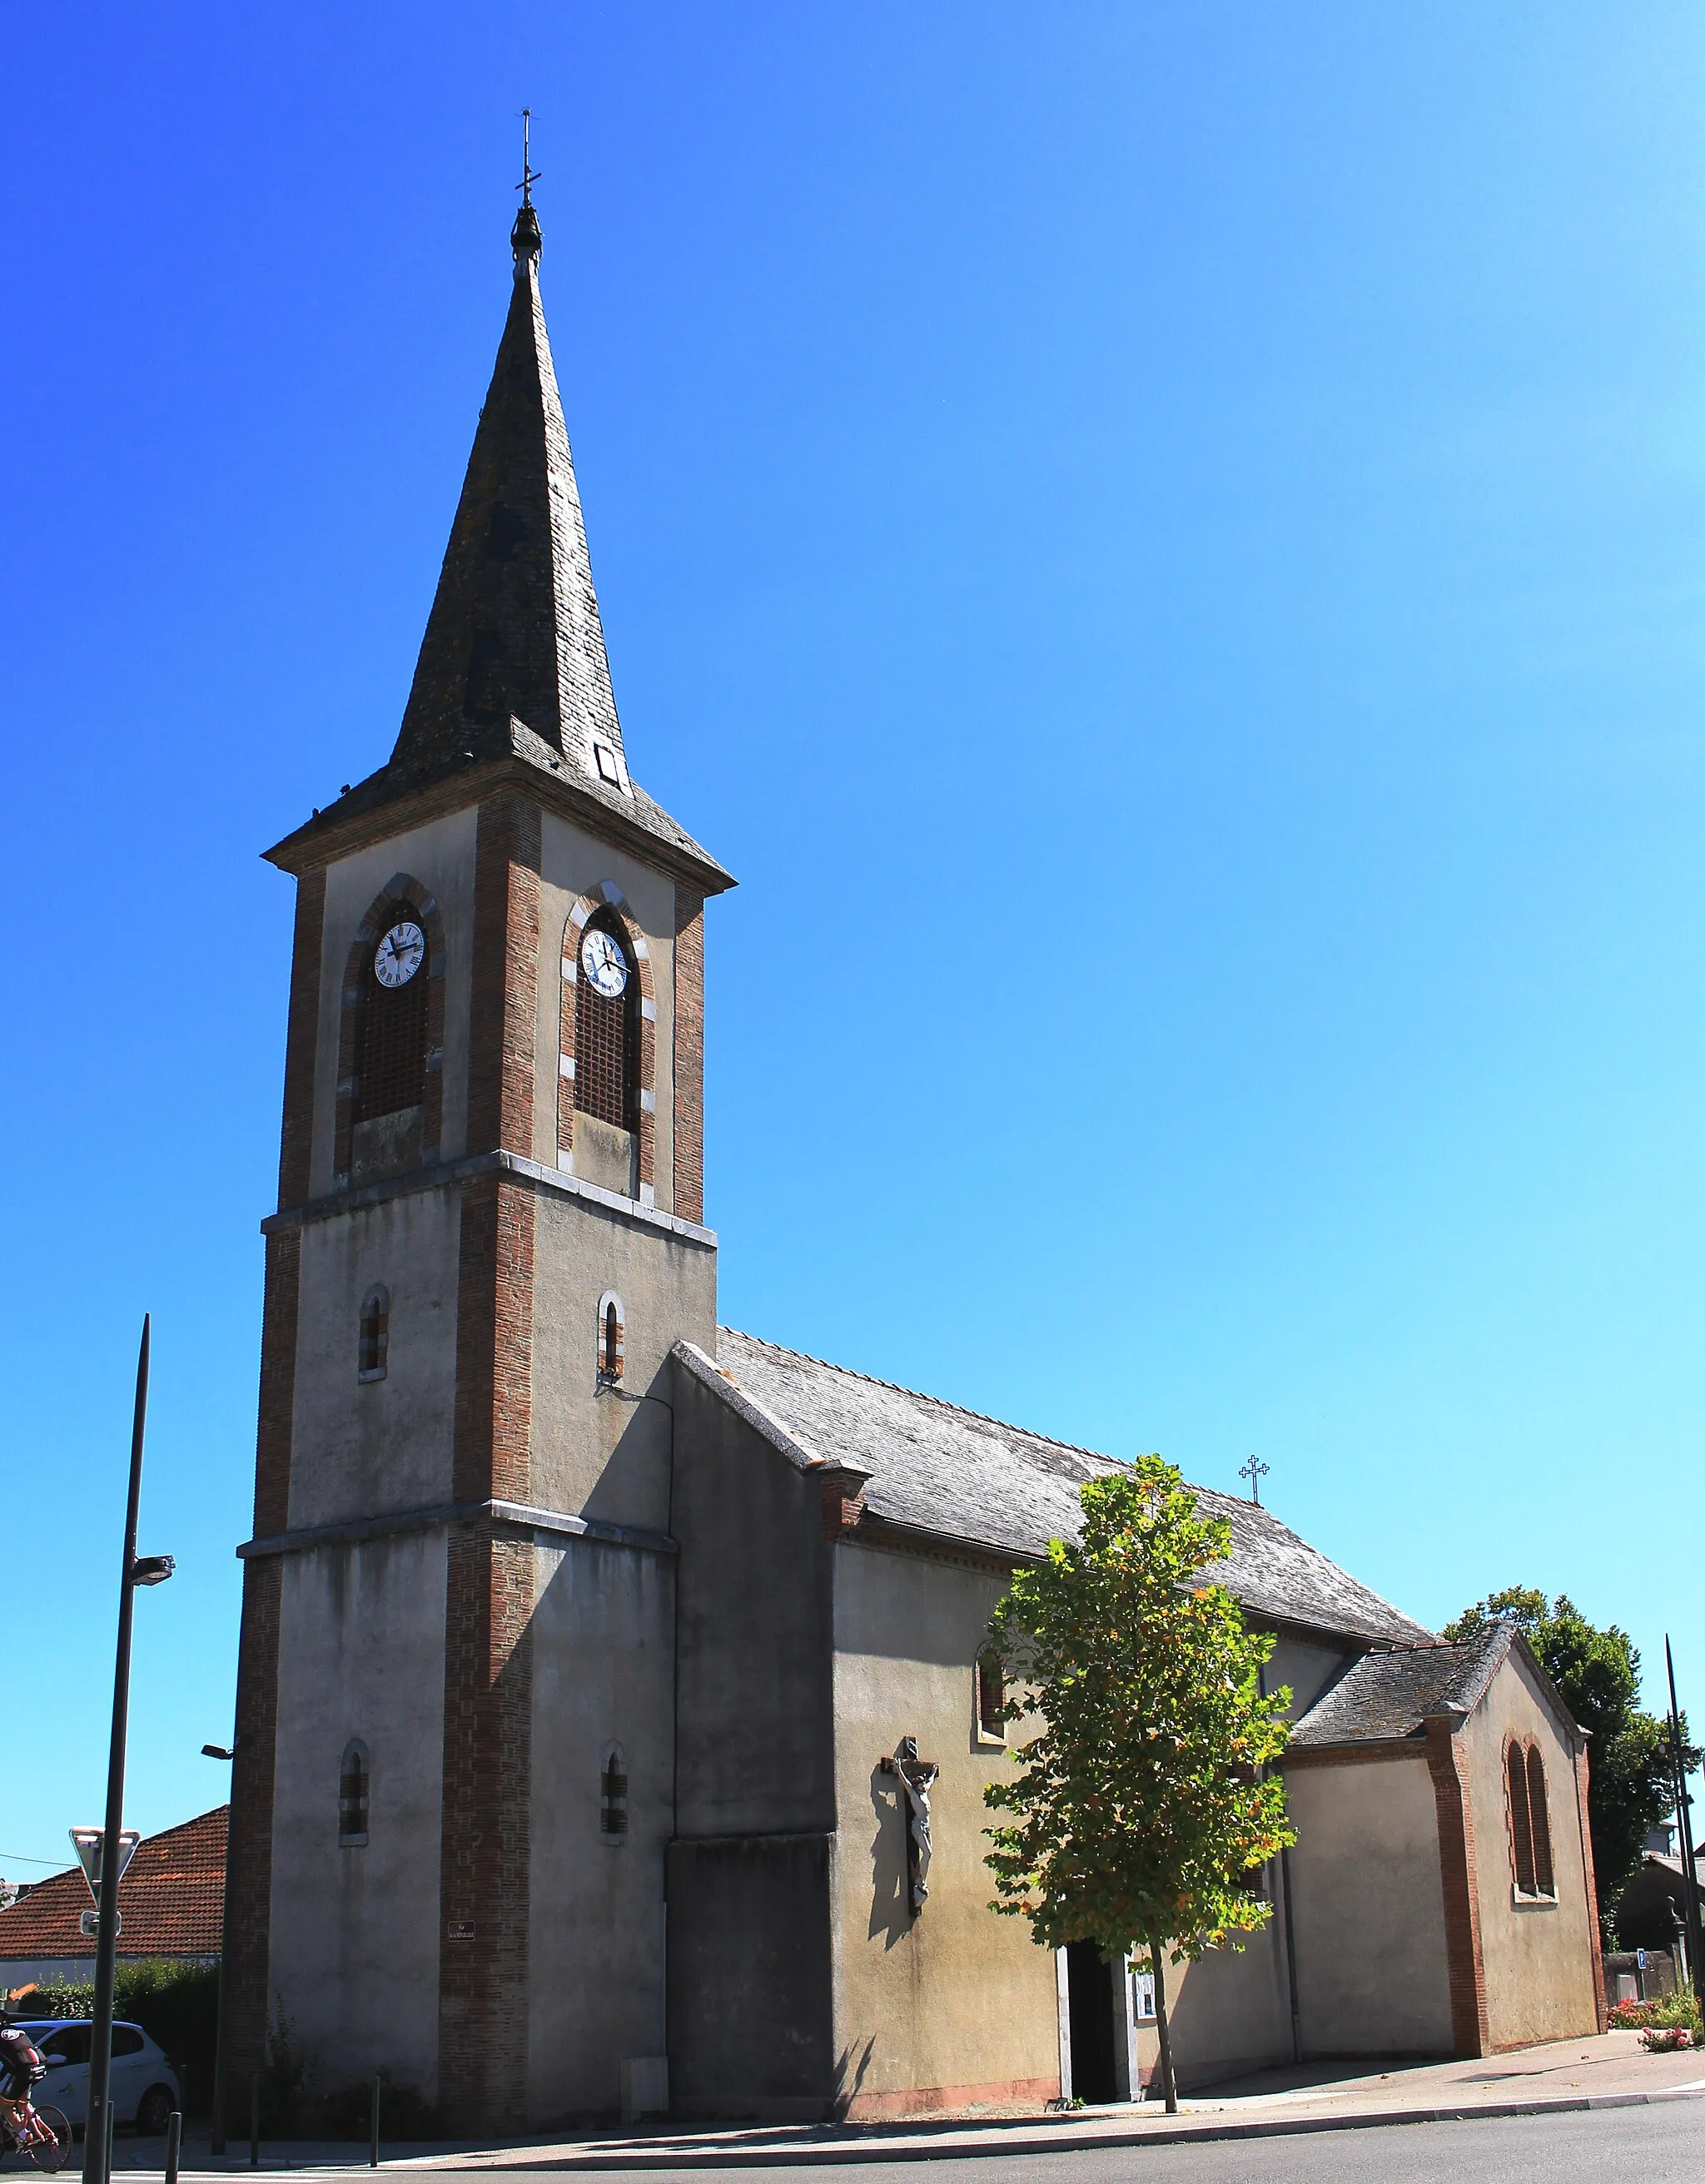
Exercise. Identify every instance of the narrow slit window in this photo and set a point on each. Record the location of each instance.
(1521, 1821)
(991, 1695)
(612, 1794)
(1539, 1821)
(352, 1792)
(373, 1348)
(612, 1338)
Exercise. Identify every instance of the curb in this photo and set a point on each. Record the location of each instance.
(1058, 2139)
(1055, 2141)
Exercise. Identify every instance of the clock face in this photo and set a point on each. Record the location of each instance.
(604, 963)
(400, 954)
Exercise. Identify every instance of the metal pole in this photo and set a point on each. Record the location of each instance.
(173, 2144)
(1690, 1878)
(373, 2130)
(97, 2138)
(221, 2038)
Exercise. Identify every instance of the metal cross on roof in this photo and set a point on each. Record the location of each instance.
(1254, 1471)
(527, 176)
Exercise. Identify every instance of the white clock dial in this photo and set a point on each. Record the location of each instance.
(400, 954)
(604, 963)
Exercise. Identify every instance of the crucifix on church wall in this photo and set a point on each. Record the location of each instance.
(915, 1777)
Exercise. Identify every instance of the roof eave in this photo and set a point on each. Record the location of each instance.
(349, 825)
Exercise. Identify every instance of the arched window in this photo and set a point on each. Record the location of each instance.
(391, 1035)
(991, 1695)
(612, 1794)
(1521, 1819)
(351, 1796)
(373, 1350)
(612, 1337)
(606, 1023)
(1539, 1819)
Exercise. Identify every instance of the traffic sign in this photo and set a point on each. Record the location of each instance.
(88, 1843)
(89, 1924)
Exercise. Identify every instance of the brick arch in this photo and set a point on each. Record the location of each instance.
(400, 889)
(609, 899)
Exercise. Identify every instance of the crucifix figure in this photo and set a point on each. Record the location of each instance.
(1254, 1471)
(916, 1776)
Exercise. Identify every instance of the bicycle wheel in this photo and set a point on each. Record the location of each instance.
(56, 2155)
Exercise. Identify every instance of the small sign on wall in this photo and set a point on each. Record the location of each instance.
(1142, 1996)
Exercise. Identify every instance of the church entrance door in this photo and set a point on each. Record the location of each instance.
(1089, 1996)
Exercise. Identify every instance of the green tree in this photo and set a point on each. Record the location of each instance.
(1631, 1785)
(1141, 1811)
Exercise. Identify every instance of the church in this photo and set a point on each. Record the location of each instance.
(613, 1710)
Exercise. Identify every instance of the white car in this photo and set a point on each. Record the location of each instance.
(145, 2086)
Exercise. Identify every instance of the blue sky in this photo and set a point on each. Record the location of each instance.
(1162, 543)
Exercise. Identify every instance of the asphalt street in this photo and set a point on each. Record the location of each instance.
(1662, 2143)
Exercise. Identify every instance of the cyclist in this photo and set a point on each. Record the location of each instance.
(21, 2066)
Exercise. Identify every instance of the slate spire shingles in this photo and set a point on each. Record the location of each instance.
(512, 670)
(514, 630)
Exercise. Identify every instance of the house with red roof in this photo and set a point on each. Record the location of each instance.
(171, 1903)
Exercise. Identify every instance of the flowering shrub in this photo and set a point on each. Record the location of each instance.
(1665, 2039)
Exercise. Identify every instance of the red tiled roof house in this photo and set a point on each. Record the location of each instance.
(171, 1903)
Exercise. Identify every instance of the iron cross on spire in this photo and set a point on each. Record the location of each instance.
(1254, 1471)
(527, 176)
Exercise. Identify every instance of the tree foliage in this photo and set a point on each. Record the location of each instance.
(1139, 1814)
(1629, 1780)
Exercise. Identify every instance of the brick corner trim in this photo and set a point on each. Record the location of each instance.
(689, 1055)
(1470, 2027)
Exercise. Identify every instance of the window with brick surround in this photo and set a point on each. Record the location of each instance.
(1529, 1820)
(1538, 1819)
(352, 1796)
(606, 1038)
(612, 1794)
(373, 1348)
(391, 1034)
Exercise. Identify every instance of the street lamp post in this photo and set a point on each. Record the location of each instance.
(134, 1570)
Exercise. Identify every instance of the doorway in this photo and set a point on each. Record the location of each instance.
(1089, 2000)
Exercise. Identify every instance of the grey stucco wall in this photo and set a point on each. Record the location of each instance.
(602, 1637)
(372, 1448)
(354, 1950)
(1538, 1957)
(1373, 1973)
(750, 2014)
(596, 1451)
(960, 1998)
(750, 2022)
(755, 1743)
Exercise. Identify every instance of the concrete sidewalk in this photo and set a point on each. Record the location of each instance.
(1611, 2070)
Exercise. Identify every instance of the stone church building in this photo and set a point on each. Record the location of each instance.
(595, 1659)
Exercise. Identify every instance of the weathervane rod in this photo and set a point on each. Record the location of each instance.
(527, 176)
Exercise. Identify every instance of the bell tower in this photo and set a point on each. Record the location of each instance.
(452, 1791)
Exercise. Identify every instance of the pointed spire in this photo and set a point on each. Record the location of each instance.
(515, 632)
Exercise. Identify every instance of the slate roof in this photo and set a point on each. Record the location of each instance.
(171, 1901)
(512, 667)
(956, 1475)
(1384, 1697)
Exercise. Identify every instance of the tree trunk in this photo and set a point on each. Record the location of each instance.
(1167, 2080)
